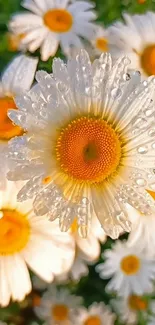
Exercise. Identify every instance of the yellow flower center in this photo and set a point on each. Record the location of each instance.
(92, 320)
(7, 129)
(137, 303)
(58, 20)
(14, 41)
(102, 44)
(148, 60)
(88, 149)
(14, 232)
(130, 265)
(74, 226)
(60, 312)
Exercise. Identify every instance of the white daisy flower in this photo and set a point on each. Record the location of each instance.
(141, 234)
(131, 271)
(87, 250)
(129, 308)
(56, 306)
(135, 38)
(100, 40)
(14, 42)
(89, 136)
(96, 314)
(51, 23)
(27, 240)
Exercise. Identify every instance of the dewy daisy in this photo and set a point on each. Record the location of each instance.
(96, 314)
(89, 136)
(51, 23)
(100, 40)
(135, 38)
(131, 271)
(27, 240)
(141, 234)
(56, 306)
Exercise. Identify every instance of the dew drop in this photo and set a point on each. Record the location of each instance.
(142, 150)
(116, 93)
(141, 182)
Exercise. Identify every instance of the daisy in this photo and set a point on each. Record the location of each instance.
(96, 314)
(100, 40)
(131, 271)
(89, 136)
(51, 23)
(27, 240)
(56, 306)
(87, 250)
(129, 308)
(135, 37)
(14, 42)
(141, 234)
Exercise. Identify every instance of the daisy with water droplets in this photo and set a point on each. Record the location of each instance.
(27, 240)
(89, 135)
(141, 234)
(135, 37)
(51, 23)
(131, 272)
(56, 306)
(130, 307)
(96, 314)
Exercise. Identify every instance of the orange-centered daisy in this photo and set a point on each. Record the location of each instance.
(130, 264)
(58, 20)
(88, 149)
(137, 303)
(14, 232)
(8, 129)
(92, 320)
(60, 312)
(148, 60)
(102, 44)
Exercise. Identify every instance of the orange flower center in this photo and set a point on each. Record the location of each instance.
(102, 44)
(60, 312)
(151, 193)
(14, 232)
(7, 129)
(88, 149)
(92, 320)
(137, 303)
(58, 20)
(130, 265)
(148, 60)
(14, 41)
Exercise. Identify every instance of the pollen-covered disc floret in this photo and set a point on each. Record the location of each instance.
(89, 137)
(131, 272)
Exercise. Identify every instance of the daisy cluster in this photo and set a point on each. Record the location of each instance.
(77, 166)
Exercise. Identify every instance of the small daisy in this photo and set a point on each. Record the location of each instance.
(56, 306)
(135, 38)
(16, 79)
(141, 234)
(89, 136)
(131, 272)
(100, 40)
(27, 240)
(14, 42)
(87, 250)
(96, 314)
(129, 308)
(51, 23)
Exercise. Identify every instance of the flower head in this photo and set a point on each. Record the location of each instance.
(100, 40)
(89, 136)
(27, 240)
(52, 23)
(96, 314)
(129, 308)
(135, 38)
(130, 270)
(56, 306)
